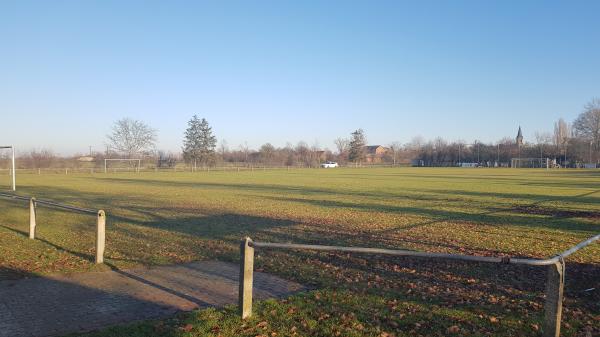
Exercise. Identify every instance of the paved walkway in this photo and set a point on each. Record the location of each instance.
(59, 304)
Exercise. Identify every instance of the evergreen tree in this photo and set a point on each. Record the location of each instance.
(199, 142)
(357, 146)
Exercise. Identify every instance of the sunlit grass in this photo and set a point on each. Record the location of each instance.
(158, 218)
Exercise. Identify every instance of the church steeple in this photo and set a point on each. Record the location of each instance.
(519, 137)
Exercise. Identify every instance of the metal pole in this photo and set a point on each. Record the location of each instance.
(554, 298)
(246, 277)
(32, 223)
(100, 236)
(105, 168)
(14, 171)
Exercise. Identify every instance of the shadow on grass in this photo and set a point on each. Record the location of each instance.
(447, 215)
(535, 198)
(39, 305)
(230, 227)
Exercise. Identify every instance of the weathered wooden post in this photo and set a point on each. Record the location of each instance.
(246, 277)
(100, 236)
(554, 298)
(32, 218)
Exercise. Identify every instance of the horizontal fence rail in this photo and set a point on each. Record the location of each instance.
(402, 252)
(554, 284)
(100, 219)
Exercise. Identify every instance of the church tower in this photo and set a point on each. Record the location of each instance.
(519, 137)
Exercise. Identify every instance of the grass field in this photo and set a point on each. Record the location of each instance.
(159, 218)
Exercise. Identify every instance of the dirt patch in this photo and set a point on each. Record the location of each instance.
(554, 212)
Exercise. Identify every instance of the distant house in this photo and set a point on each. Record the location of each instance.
(375, 153)
(321, 155)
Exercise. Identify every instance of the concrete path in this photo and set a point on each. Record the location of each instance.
(59, 304)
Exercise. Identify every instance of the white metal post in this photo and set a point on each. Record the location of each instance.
(100, 236)
(32, 222)
(14, 172)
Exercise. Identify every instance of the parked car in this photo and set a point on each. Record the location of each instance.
(329, 164)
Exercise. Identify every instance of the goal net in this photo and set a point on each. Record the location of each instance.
(7, 164)
(119, 164)
(530, 163)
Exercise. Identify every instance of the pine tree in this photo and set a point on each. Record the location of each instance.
(199, 142)
(357, 146)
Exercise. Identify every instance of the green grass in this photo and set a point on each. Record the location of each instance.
(158, 218)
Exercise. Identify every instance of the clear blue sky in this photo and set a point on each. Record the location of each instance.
(281, 71)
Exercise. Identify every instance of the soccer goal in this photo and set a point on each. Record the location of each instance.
(530, 163)
(135, 163)
(12, 171)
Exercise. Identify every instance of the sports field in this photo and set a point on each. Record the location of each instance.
(161, 218)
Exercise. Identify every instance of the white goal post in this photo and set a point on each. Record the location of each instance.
(139, 163)
(530, 163)
(12, 171)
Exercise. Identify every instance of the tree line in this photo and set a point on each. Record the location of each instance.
(568, 144)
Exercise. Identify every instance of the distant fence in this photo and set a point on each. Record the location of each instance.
(100, 219)
(251, 168)
(554, 284)
(208, 169)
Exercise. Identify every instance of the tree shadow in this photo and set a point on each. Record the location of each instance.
(39, 306)
(536, 198)
(486, 217)
(58, 304)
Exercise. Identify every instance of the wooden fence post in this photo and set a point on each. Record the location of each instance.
(32, 218)
(246, 277)
(554, 298)
(100, 236)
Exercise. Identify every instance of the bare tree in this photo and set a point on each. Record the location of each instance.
(245, 150)
(131, 137)
(303, 152)
(542, 139)
(562, 132)
(166, 159)
(395, 148)
(342, 145)
(416, 143)
(587, 124)
(223, 149)
(266, 153)
(42, 158)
